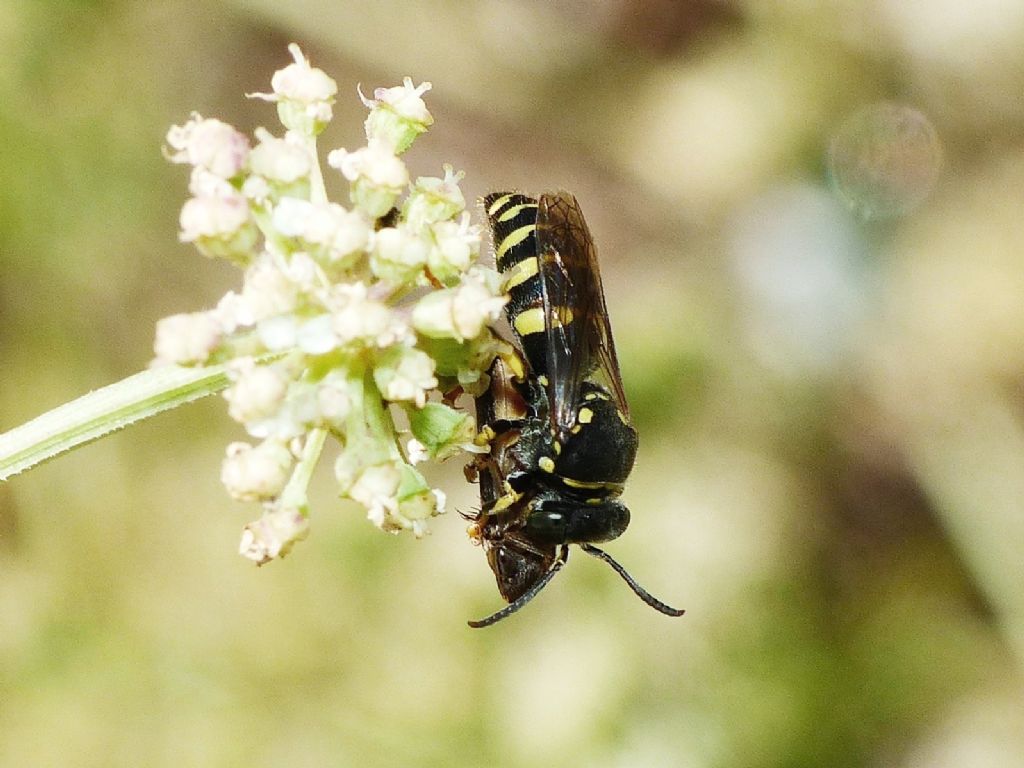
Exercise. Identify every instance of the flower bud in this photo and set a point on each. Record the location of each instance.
(375, 488)
(432, 199)
(330, 234)
(209, 144)
(456, 247)
(398, 256)
(267, 291)
(257, 393)
(281, 163)
(457, 313)
(363, 320)
(405, 373)
(219, 227)
(397, 115)
(304, 95)
(186, 339)
(274, 534)
(377, 177)
(255, 473)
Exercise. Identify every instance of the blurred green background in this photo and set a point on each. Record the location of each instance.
(831, 475)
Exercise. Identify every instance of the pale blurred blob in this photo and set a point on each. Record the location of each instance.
(982, 733)
(884, 160)
(966, 36)
(519, 37)
(798, 259)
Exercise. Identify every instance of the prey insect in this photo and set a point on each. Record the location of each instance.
(556, 418)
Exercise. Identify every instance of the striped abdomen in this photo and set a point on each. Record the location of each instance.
(513, 221)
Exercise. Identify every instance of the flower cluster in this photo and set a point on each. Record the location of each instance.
(346, 316)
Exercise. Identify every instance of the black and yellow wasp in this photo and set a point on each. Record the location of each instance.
(557, 422)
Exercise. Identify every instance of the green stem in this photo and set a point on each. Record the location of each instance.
(317, 189)
(103, 411)
(294, 494)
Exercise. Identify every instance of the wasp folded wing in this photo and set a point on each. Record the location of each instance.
(580, 344)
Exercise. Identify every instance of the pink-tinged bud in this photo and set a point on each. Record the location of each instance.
(397, 115)
(274, 534)
(209, 144)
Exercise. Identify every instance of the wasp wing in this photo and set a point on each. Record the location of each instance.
(580, 344)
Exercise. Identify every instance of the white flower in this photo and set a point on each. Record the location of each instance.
(457, 313)
(334, 403)
(316, 336)
(304, 95)
(278, 333)
(375, 489)
(213, 216)
(279, 160)
(397, 115)
(416, 451)
(254, 473)
(257, 393)
(435, 199)
(292, 419)
(375, 164)
(186, 339)
(274, 534)
(302, 82)
(404, 100)
(360, 319)
(337, 233)
(204, 183)
(398, 255)
(210, 144)
(473, 307)
(405, 373)
(456, 247)
(267, 291)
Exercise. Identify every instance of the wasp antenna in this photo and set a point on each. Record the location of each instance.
(527, 596)
(642, 593)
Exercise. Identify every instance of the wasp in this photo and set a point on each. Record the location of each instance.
(555, 416)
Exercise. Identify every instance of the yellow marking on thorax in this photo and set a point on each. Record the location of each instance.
(585, 416)
(546, 463)
(520, 273)
(514, 238)
(505, 502)
(590, 484)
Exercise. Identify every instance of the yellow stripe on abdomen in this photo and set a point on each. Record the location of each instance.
(514, 211)
(529, 321)
(520, 273)
(532, 320)
(514, 238)
(498, 204)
